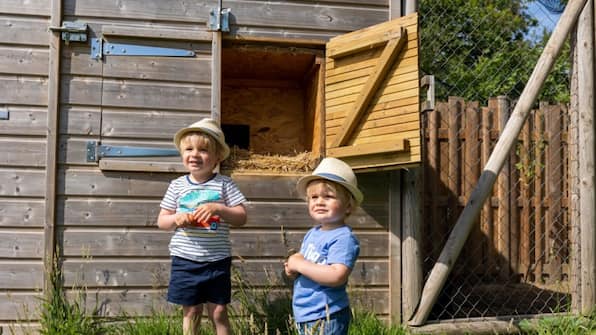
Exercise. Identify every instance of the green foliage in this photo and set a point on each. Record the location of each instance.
(481, 48)
(260, 311)
(61, 316)
(365, 323)
(159, 323)
(562, 325)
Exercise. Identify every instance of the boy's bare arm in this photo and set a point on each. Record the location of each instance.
(236, 216)
(169, 220)
(327, 275)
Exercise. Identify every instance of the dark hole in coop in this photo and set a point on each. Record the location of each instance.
(237, 135)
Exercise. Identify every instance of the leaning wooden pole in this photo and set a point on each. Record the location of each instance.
(463, 226)
(587, 201)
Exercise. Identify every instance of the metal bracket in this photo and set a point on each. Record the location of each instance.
(96, 151)
(99, 48)
(219, 19)
(428, 81)
(72, 31)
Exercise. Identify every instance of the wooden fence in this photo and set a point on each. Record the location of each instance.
(523, 233)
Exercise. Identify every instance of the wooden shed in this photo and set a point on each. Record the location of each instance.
(86, 84)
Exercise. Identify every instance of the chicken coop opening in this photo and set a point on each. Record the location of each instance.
(271, 108)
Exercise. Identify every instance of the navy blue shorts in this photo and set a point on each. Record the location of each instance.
(193, 283)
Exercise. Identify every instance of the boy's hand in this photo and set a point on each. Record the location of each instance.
(289, 273)
(204, 212)
(183, 219)
(293, 261)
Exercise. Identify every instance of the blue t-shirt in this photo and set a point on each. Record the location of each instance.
(336, 246)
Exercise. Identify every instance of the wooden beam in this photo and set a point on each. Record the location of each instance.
(397, 145)
(52, 142)
(363, 43)
(384, 63)
(585, 57)
(156, 33)
(438, 275)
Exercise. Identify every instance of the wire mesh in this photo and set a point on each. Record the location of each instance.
(516, 260)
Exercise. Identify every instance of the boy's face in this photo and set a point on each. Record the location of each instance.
(327, 205)
(199, 156)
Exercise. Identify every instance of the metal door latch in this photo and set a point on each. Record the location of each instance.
(99, 48)
(96, 151)
(72, 31)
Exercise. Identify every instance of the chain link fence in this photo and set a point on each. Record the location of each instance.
(516, 261)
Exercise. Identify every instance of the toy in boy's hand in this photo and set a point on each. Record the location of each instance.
(211, 223)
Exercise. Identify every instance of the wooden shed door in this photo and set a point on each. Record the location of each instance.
(372, 105)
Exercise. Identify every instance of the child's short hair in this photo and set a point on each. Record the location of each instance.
(204, 140)
(341, 192)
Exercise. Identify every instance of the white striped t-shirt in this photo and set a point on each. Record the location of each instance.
(198, 243)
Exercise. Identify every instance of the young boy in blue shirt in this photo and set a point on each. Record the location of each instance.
(200, 207)
(328, 252)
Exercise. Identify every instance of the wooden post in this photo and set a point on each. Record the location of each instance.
(216, 76)
(395, 247)
(412, 279)
(411, 6)
(585, 56)
(460, 232)
(405, 228)
(52, 142)
(574, 214)
(216, 68)
(395, 9)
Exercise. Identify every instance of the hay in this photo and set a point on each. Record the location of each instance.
(241, 160)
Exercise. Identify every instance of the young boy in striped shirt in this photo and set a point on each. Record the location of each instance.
(200, 207)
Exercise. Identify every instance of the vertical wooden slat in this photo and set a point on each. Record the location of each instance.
(514, 224)
(503, 191)
(554, 229)
(453, 156)
(52, 141)
(487, 211)
(435, 178)
(525, 182)
(538, 193)
(472, 173)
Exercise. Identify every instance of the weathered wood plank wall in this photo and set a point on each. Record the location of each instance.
(24, 65)
(105, 220)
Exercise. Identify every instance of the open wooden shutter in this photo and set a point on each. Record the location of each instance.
(372, 115)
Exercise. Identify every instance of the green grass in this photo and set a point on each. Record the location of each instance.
(561, 325)
(259, 311)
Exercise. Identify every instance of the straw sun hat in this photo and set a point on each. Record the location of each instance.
(336, 171)
(209, 127)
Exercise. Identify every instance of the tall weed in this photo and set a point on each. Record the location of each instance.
(60, 315)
